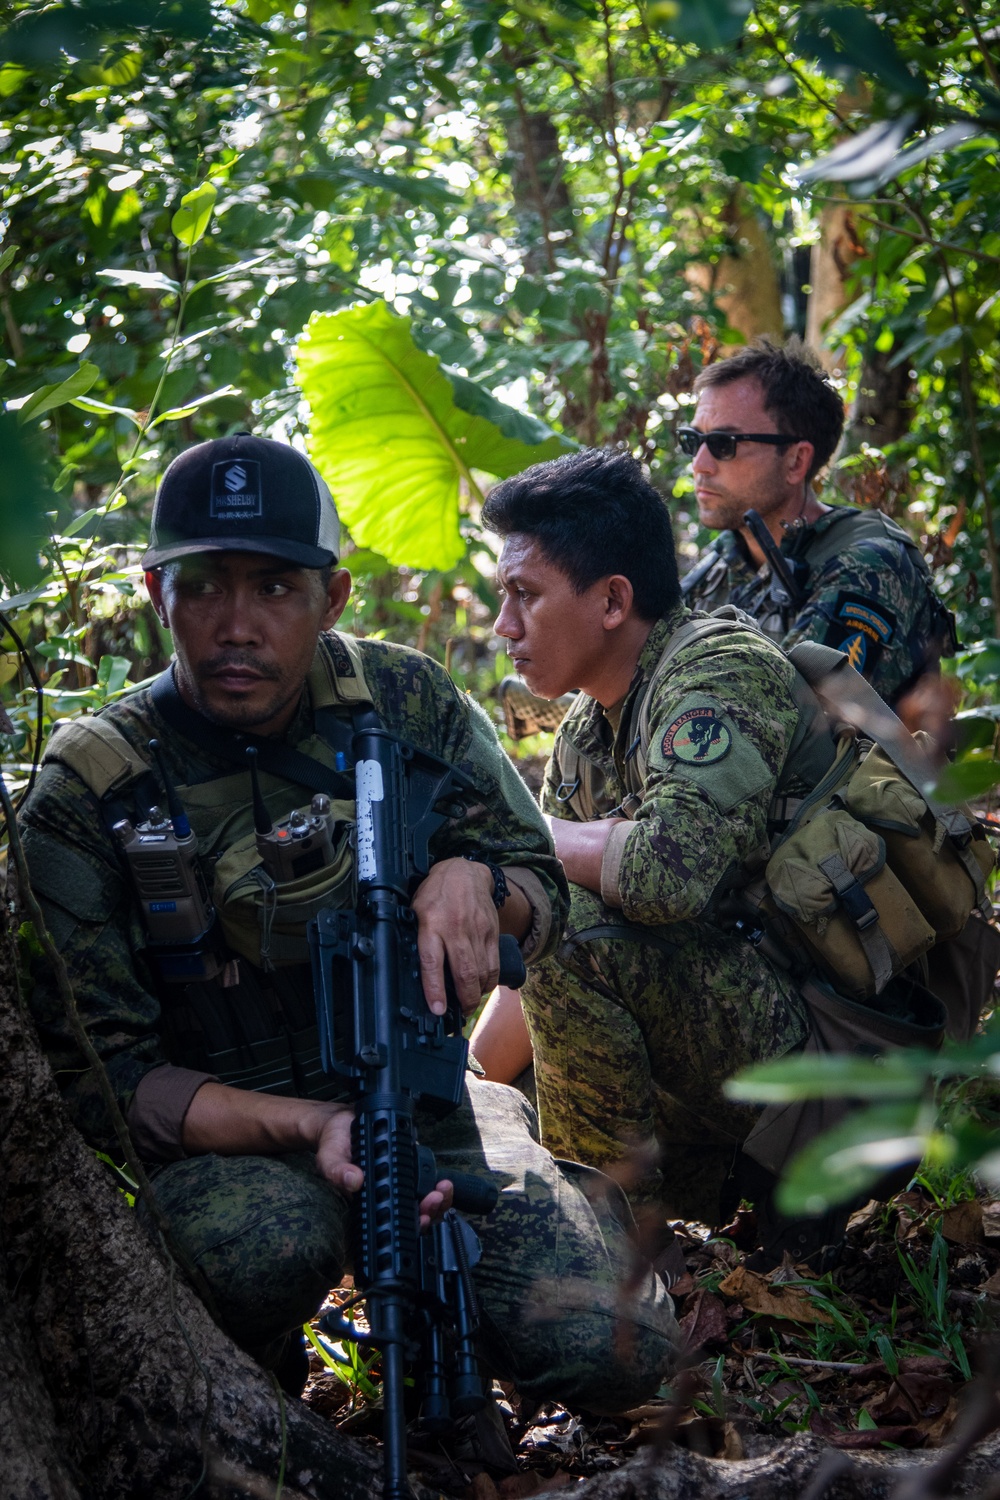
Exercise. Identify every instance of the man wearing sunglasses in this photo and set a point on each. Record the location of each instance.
(766, 423)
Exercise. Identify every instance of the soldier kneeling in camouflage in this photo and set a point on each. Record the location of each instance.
(648, 1005)
(691, 749)
(211, 1050)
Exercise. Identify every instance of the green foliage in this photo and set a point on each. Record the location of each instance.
(394, 439)
(940, 1108)
(348, 1363)
(552, 196)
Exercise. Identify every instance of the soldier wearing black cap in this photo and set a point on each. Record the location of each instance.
(216, 1077)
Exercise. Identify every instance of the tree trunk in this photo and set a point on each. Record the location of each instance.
(882, 410)
(538, 185)
(829, 262)
(116, 1383)
(745, 283)
(799, 1468)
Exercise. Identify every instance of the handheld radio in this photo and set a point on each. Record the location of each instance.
(177, 911)
(298, 844)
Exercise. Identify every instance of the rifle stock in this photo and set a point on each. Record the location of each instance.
(377, 1032)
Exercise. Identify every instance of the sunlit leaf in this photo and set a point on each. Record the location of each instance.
(862, 157)
(47, 397)
(101, 408)
(6, 256)
(850, 1158)
(239, 269)
(808, 1075)
(112, 673)
(192, 219)
(176, 412)
(81, 521)
(147, 281)
(390, 438)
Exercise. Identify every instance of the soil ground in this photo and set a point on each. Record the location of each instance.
(877, 1355)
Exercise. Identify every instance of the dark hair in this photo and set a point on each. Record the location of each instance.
(594, 513)
(798, 393)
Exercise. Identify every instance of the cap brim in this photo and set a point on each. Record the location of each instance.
(267, 546)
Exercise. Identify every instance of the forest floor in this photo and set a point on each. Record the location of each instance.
(875, 1355)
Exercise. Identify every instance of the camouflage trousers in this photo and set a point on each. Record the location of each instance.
(567, 1310)
(634, 1031)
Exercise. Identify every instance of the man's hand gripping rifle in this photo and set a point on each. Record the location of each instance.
(376, 1030)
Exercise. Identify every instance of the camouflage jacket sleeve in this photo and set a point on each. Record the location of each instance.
(721, 723)
(873, 603)
(87, 909)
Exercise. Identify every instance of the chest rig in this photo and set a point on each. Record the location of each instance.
(237, 1001)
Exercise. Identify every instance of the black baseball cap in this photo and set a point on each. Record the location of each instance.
(244, 494)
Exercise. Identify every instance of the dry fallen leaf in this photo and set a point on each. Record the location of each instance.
(962, 1224)
(991, 1222)
(783, 1301)
(704, 1322)
(874, 1437)
(482, 1488)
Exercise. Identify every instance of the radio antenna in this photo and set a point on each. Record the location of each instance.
(261, 817)
(178, 816)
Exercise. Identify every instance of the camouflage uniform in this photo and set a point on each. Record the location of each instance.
(872, 598)
(648, 1005)
(268, 1235)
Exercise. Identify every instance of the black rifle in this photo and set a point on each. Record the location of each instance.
(787, 583)
(376, 1030)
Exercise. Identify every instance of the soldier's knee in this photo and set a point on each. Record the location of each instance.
(267, 1241)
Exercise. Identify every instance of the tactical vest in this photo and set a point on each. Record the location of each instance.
(862, 875)
(254, 1026)
(851, 527)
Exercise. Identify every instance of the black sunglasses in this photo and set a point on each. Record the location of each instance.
(723, 444)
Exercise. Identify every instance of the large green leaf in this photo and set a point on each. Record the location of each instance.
(706, 24)
(392, 441)
(833, 1075)
(47, 397)
(852, 1156)
(27, 495)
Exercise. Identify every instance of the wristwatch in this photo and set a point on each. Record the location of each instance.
(501, 890)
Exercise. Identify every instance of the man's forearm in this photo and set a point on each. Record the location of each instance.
(241, 1122)
(580, 846)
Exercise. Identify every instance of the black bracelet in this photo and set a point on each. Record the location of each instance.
(501, 889)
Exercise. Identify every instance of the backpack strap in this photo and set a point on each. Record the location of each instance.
(272, 755)
(697, 628)
(847, 695)
(101, 756)
(865, 526)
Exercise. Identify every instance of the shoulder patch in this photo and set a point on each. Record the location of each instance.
(701, 743)
(699, 736)
(860, 629)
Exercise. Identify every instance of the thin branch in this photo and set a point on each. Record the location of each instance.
(798, 75)
(812, 1364)
(926, 239)
(988, 62)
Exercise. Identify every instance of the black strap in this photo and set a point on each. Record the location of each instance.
(272, 755)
